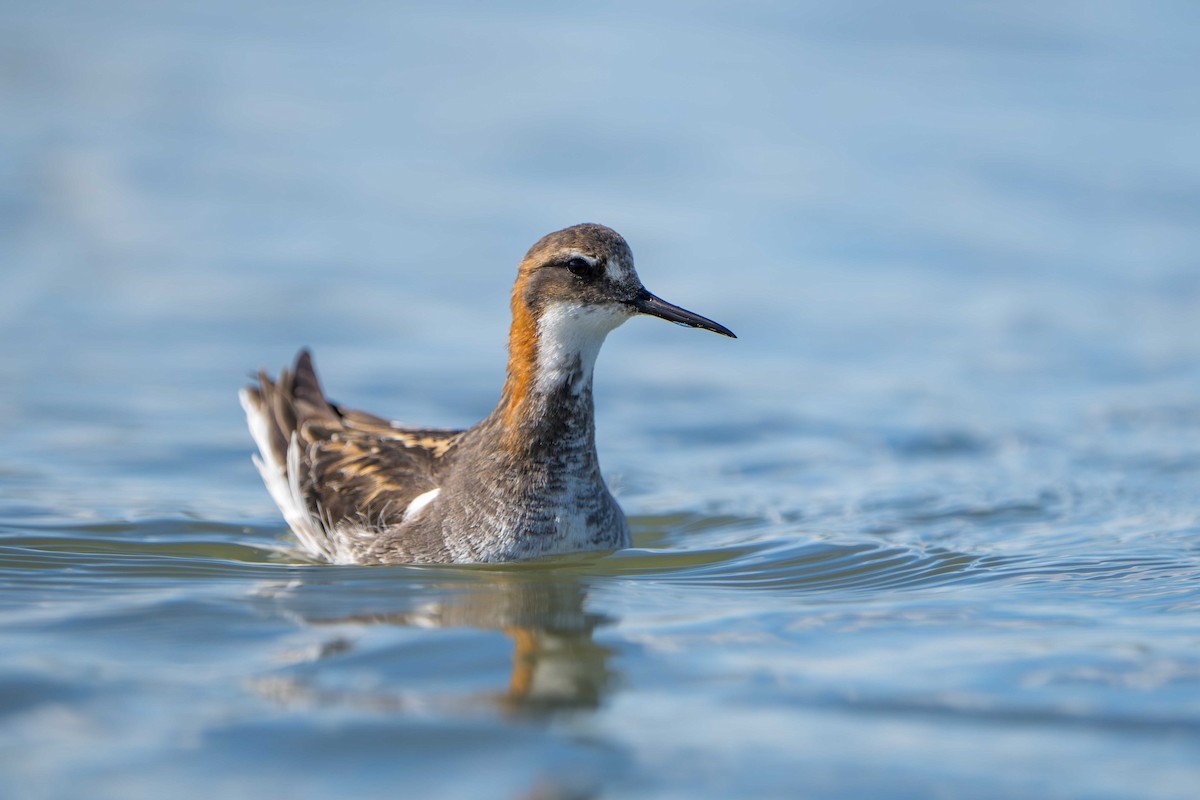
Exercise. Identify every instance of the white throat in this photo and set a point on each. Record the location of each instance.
(569, 339)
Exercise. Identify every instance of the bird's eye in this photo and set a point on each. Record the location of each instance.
(580, 267)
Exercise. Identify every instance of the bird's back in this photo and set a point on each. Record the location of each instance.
(342, 477)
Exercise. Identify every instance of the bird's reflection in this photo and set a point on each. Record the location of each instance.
(556, 664)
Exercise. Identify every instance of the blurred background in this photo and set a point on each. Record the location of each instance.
(928, 193)
(958, 242)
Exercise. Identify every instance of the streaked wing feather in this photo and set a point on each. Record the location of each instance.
(360, 469)
(347, 468)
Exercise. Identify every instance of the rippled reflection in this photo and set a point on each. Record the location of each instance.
(555, 663)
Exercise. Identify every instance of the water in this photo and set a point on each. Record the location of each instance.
(928, 528)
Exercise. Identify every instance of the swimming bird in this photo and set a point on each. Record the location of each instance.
(522, 483)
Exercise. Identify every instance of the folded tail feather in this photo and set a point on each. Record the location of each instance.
(276, 412)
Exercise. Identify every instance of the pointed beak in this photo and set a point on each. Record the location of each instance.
(646, 303)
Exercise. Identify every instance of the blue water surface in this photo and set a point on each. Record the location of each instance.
(929, 528)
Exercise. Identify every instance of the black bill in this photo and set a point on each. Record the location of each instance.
(647, 303)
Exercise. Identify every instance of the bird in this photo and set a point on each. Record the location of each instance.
(522, 483)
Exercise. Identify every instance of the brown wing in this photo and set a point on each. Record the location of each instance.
(352, 466)
(360, 469)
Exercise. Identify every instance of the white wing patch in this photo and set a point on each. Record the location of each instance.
(419, 502)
